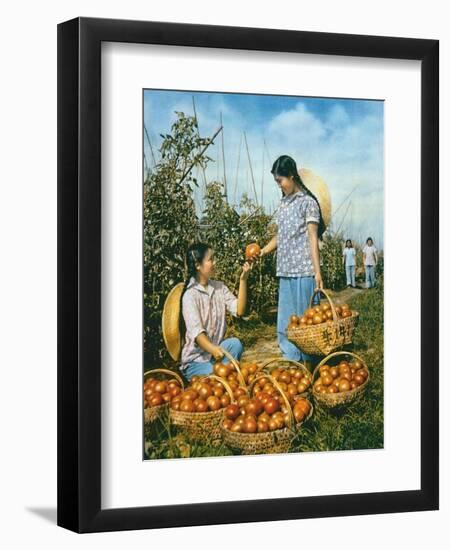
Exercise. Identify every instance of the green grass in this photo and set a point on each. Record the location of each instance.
(359, 426)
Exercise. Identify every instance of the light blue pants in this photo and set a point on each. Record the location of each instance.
(370, 276)
(350, 272)
(202, 368)
(293, 298)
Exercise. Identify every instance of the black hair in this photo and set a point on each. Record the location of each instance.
(286, 167)
(195, 255)
(348, 241)
(369, 239)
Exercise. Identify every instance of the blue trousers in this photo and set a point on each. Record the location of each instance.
(202, 368)
(350, 272)
(293, 298)
(370, 276)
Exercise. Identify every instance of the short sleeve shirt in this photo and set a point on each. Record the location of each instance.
(204, 310)
(293, 249)
(349, 254)
(370, 252)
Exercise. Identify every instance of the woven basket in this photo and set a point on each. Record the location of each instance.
(331, 400)
(278, 441)
(151, 414)
(270, 365)
(326, 337)
(201, 426)
(236, 365)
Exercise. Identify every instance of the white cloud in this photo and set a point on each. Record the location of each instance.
(299, 124)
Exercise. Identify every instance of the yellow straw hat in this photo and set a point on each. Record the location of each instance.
(171, 322)
(319, 189)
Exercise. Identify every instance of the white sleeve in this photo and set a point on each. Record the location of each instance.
(230, 300)
(191, 315)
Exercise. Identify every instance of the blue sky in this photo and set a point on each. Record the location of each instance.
(340, 139)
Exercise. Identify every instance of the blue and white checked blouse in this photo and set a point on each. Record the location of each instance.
(293, 250)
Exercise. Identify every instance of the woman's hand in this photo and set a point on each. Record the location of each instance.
(217, 353)
(270, 247)
(246, 268)
(319, 282)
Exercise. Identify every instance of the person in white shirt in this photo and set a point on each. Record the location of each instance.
(349, 257)
(370, 260)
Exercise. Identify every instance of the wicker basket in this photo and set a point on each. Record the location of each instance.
(278, 441)
(326, 337)
(201, 426)
(236, 365)
(151, 414)
(332, 400)
(270, 365)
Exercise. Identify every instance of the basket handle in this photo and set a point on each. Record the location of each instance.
(166, 371)
(281, 392)
(225, 385)
(264, 364)
(235, 364)
(336, 354)
(327, 296)
(299, 365)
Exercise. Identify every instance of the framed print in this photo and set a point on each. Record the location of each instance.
(247, 274)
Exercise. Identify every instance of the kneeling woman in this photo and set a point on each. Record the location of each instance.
(204, 306)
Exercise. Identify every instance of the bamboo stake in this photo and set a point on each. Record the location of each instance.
(250, 215)
(223, 160)
(345, 199)
(201, 153)
(198, 134)
(262, 174)
(237, 169)
(145, 167)
(150, 145)
(251, 168)
(343, 219)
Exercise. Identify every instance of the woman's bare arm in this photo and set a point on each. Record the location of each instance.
(270, 247)
(242, 295)
(314, 247)
(205, 343)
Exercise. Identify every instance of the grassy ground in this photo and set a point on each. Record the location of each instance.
(359, 426)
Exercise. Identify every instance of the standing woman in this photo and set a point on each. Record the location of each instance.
(370, 259)
(349, 257)
(300, 225)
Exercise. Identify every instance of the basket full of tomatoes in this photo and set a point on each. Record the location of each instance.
(322, 328)
(159, 393)
(292, 376)
(266, 420)
(337, 383)
(232, 372)
(199, 409)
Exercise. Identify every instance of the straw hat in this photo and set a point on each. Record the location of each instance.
(320, 190)
(171, 322)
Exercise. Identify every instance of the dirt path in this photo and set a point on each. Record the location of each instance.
(267, 346)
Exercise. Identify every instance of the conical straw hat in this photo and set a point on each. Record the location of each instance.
(319, 189)
(171, 322)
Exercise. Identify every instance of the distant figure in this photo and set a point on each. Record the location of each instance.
(349, 256)
(370, 260)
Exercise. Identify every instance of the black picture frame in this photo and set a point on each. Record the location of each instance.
(79, 274)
